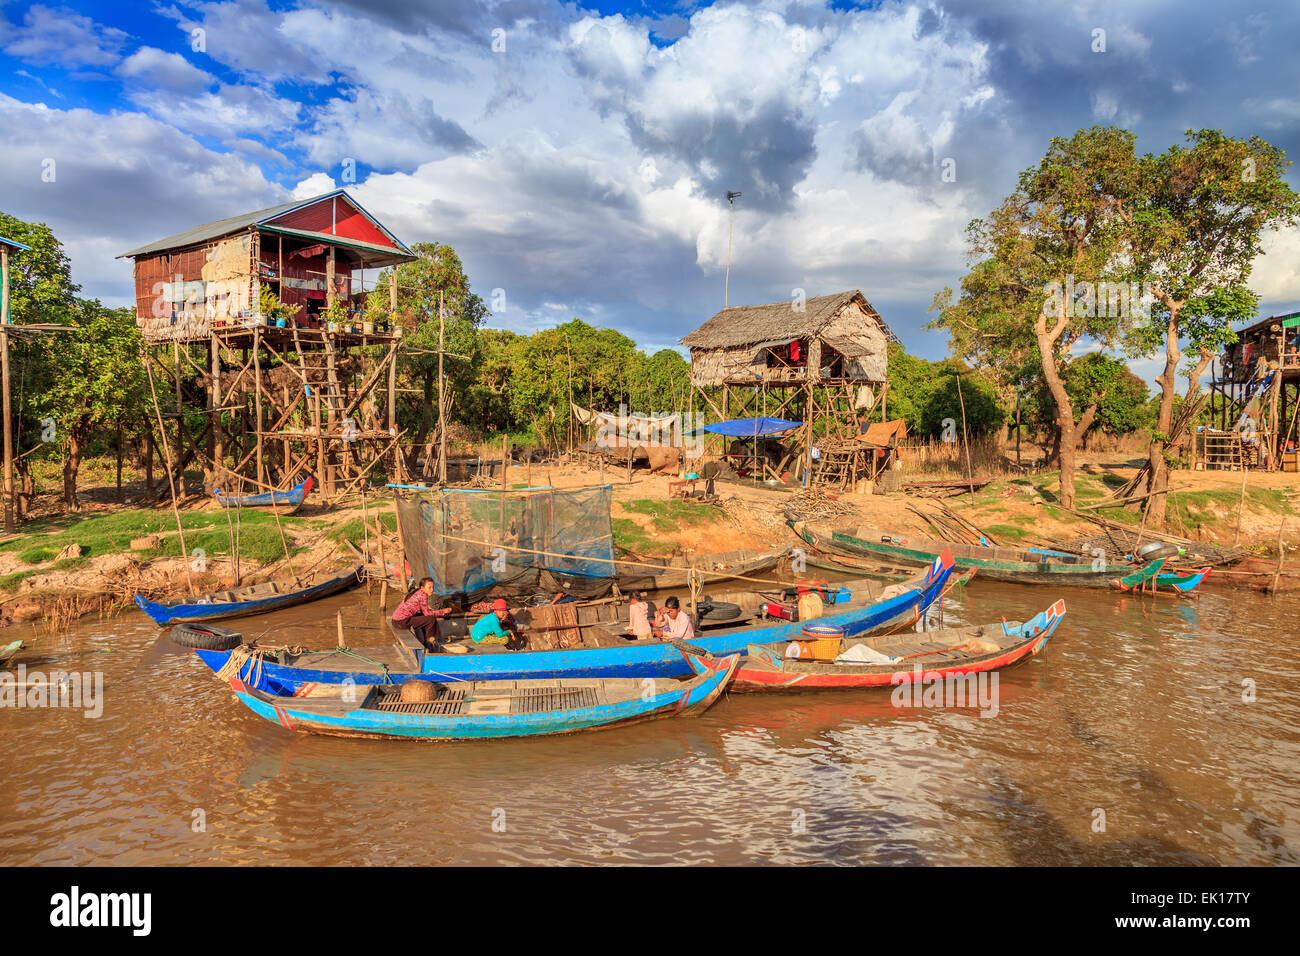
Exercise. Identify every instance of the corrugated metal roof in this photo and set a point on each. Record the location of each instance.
(334, 240)
(224, 227)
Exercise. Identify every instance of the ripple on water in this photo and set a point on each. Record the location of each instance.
(1135, 709)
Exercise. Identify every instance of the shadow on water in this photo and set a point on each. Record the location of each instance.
(1033, 837)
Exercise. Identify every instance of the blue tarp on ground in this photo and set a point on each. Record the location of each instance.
(749, 427)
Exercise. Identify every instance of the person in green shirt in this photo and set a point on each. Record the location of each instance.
(491, 628)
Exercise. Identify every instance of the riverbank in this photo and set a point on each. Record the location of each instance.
(63, 566)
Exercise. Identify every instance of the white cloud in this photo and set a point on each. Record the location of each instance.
(63, 37)
(314, 185)
(120, 180)
(170, 71)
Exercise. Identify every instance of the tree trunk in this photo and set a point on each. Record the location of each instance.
(1064, 413)
(1158, 474)
(71, 464)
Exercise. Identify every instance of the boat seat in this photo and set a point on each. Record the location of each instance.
(409, 647)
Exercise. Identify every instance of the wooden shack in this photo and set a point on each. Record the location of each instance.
(1255, 396)
(821, 361)
(280, 395)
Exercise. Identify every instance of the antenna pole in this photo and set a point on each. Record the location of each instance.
(731, 219)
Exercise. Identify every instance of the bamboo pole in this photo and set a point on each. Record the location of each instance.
(171, 481)
(401, 542)
(1281, 556)
(965, 442)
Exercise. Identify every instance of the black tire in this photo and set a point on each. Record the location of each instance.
(718, 611)
(206, 637)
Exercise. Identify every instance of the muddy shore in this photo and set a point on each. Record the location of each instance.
(70, 578)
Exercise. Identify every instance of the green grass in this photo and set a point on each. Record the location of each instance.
(354, 532)
(9, 581)
(671, 515)
(111, 533)
(630, 536)
(1006, 532)
(37, 555)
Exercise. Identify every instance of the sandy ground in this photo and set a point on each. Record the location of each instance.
(747, 517)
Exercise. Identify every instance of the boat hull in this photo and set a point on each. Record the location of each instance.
(764, 670)
(283, 502)
(636, 659)
(691, 698)
(167, 614)
(1017, 572)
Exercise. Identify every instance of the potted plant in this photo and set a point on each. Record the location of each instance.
(335, 316)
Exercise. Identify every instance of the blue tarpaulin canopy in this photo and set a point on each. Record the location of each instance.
(749, 427)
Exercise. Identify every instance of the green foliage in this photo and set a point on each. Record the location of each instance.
(40, 280)
(1121, 397)
(924, 394)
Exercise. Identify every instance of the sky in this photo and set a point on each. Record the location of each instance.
(578, 156)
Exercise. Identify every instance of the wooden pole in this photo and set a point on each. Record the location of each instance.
(1241, 503)
(257, 401)
(442, 399)
(167, 458)
(4, 373)
(214, 404)
(401, 542)
(964, 441)
(1281, 555)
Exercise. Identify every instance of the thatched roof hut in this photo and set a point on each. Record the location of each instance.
(829, 338)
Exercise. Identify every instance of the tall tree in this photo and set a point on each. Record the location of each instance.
(1194, 236)
(1038, 260)
(40, 279)
(437, 275)
(95, 379)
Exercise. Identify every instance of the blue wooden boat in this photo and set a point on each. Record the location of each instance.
(480, 710)
(604, 653)
(285, 502)
(254, 599)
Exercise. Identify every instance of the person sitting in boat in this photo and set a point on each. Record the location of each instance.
(671, 623)
(415, 615)
(638, 615)
(499, 627)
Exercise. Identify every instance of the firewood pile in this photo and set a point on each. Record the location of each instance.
(811, 504)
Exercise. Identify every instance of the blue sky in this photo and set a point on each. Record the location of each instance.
(577, 155)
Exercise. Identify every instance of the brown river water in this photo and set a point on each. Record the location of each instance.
(1127, 741)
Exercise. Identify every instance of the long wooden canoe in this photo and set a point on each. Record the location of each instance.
(600, 652)
(722, 566)
(903, 658)
(478, 710)
(1256, 573)
(998, 564)
(254, 599)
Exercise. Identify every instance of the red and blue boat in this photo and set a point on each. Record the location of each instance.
(894, 659)
(492, 709)
(603, 653)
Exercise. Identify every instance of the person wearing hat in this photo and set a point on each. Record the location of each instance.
(671, 623)
(497, 627)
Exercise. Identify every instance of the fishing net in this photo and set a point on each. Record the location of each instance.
(472, 541)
